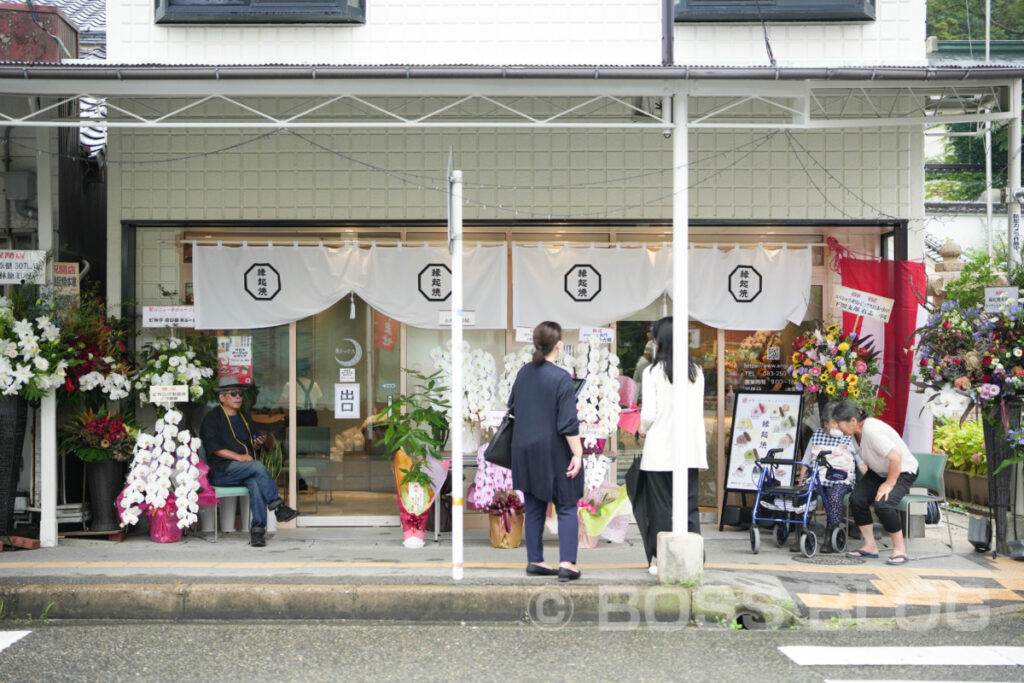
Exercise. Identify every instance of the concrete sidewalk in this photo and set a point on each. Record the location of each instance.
(350, 573)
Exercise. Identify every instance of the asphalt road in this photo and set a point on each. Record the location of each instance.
(355, 651)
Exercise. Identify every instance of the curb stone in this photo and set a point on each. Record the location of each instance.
(546, 606)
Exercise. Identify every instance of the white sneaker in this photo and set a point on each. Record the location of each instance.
(653, 569)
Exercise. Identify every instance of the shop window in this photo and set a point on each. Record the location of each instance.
(774, 10)
(260, 11)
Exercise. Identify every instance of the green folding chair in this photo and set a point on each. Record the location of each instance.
(930, 476)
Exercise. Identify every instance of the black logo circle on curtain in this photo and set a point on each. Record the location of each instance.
(744, 284)
(262, 281)
(435, 282)
(582, 282)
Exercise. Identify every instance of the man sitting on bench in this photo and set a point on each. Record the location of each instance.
(231, 444)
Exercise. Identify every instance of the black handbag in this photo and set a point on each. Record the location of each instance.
(499, 450)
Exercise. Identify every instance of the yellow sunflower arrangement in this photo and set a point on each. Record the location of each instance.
(838, 365)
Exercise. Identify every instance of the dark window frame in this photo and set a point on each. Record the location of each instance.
(260, 11)
(691, 11)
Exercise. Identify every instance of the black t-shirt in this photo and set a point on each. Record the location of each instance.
(219, 432)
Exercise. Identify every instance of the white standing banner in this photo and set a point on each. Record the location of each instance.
(255, 287)
(748, 289)
(581, 286)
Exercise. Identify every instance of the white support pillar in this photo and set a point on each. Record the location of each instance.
(680, 296)
(680, 554)
(455, 247)
(48, 408)
(1013, 174)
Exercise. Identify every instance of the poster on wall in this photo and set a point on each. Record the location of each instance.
(234, 357)
(346, 401)
(762, 421)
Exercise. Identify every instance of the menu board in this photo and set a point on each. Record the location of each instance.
(762, 421)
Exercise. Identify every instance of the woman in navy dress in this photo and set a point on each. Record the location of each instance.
(547, 455)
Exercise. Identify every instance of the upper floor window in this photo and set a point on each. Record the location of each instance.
(774, 10)
(260, 11)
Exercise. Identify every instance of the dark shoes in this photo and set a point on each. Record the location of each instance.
(536, 570)
(283, 513)
(565, 575)
(257, 537)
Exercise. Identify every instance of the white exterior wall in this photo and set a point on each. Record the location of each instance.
(400, 32)
(897, 36)
(281, 178)
(490, 32)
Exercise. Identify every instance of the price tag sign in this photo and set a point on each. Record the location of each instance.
(995, 297)
(171, 393)
(862, 303)
(597, 335)
(18, 267)
(468, 318)
(168, 316)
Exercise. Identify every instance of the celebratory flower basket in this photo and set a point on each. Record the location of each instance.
(98, 435)
(190, 360)
(604, 513)
(164, 480)
(833, 364)
(506, 512)
(96, 345)
(33, 361)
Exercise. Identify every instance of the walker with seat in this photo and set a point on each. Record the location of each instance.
(785, 506)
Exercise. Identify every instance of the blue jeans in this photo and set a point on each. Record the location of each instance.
(254, 476)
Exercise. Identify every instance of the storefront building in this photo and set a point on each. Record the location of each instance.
(212, 142)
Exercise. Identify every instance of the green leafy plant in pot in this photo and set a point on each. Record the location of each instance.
(416, 430)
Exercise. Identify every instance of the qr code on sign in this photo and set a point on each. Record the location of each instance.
(773, 353)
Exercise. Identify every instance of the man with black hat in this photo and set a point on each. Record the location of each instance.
(230, 445)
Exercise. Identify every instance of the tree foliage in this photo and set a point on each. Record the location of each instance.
(950, 19)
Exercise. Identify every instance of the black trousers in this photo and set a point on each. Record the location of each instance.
(863, 497)
(655, 495)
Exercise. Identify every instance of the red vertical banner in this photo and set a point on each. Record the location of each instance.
(904, 282)
(385, 332)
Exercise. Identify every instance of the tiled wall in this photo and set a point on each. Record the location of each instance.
(490, 32)
(578, 174)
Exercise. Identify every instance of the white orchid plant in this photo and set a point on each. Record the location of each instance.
(32, 359)
(598, 403)
(164, 472)
(479, 376)
(175, 361)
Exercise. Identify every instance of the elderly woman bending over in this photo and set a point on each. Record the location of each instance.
(892, 470)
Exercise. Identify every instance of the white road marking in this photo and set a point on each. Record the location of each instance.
(811, 655)
(8, 638)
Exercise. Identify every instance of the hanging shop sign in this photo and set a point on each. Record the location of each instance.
(864, 304)
(19, 267)
(346, 401)
(168, 316)
(746, 289)
(171, 393)
(234, 357)
(385, 332)
(762, 421)
(582, 286)
(257, 287)
(995, 297)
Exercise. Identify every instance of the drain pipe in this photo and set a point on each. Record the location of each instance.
(668, 23)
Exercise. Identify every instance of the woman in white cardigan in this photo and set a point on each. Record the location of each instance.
(664, 443)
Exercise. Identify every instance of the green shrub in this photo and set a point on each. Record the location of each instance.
(964, 444)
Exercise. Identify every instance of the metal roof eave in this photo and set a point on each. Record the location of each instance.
(283, 80)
